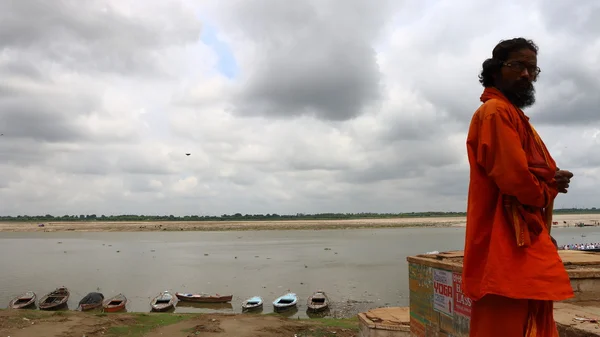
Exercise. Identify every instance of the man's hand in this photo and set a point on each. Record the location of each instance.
(563, 178)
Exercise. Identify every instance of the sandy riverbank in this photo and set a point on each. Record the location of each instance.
(27, 323)
(101, 226)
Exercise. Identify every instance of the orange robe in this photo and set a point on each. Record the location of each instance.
(508, 250)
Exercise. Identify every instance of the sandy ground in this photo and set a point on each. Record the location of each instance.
(27, 323)
(100, 226)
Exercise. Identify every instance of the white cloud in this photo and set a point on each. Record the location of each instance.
(344, 106)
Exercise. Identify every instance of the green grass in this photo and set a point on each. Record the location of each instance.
(318, 332)
(343, 323)
(188, 330)
(146, 323)
(31, 314)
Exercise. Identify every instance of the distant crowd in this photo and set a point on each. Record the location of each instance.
(581, 246)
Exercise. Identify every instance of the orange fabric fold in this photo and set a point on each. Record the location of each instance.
(518, 317)
(540, 320)
(508, 249)
(541, 166)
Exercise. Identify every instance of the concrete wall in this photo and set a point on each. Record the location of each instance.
(586, 289)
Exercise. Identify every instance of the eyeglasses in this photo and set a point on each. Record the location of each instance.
(518, 67)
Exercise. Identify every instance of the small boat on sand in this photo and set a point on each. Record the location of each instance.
(55, 299)
(203, 298)
(163, 302)
(115, 303)
(253, 303)
(22, 301)
(285, 302)
(91, 301)
(318, 301)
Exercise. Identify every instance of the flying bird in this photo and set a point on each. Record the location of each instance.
(187, 154)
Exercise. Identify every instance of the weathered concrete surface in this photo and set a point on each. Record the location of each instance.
(384, 322)
(565, 315)
(585, 289)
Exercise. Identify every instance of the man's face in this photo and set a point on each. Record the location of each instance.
(517, 76)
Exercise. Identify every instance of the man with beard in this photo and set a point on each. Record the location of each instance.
(512, 270)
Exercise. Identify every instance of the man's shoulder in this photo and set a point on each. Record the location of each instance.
(494, 105)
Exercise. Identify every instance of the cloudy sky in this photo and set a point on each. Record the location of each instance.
(285, 106)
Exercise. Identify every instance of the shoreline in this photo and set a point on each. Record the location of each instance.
(25, 322)
(219, 226)
(562, 220)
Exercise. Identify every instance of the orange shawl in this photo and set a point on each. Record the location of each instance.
(544, 168)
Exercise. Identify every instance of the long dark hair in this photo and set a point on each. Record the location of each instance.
(500, 54)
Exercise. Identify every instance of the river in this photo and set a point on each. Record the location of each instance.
(364, 266)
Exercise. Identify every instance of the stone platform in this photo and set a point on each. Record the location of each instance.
(385, 322)
(574, 320)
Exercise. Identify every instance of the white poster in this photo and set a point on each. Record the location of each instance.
(443, 292)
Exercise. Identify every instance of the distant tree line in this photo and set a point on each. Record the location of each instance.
(258, 217)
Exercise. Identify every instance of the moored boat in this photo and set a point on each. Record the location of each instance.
(203, 298)
(285, 301)
(115, 303)
(253, 303)
(22, 301)
(163, 302)
(318, 301)
(91, 301)
(55, 299)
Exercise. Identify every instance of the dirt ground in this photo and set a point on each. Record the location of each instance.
(248, 326)
(27, 323)
(102, 226)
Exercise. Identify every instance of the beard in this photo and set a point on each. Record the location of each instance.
(521, 94)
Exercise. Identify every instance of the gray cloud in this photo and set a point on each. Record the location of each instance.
(93, 35)
(312, 59)
(337, 106)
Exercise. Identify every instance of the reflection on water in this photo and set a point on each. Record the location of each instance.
(291, 312)
(360, 268)
(223, 307)
(320, 314)
(255, 311)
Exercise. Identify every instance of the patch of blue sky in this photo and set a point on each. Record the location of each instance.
(226, 63)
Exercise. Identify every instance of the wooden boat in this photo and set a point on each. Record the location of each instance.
(253, 303)
(55, 299)
(203, 298)
(23, 301)
(91, 301)
(286, 301)
(318, 301)
(115, 303)
(163, 302)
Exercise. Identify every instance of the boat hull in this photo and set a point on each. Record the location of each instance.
(203, 299)
(92, 306)
(115, 303)
(23, 301)
(318, 302)
(285, 302)
(91, 301)
(251, 307)
(163, 302)
(161, 308)
(254, 303)
(57, 299)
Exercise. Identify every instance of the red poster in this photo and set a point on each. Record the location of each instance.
(462, 304)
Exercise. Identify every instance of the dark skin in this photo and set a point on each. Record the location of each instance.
(518, 71)
(517, 75)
